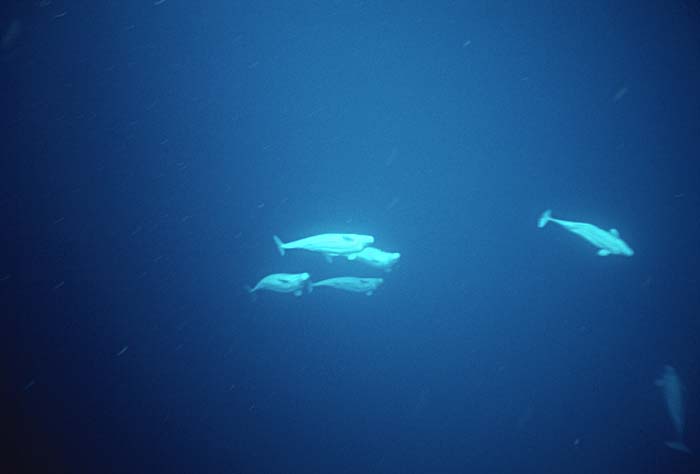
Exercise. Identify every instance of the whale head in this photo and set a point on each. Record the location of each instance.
(619, 246)
(365, 239)
(624, 249)
(377, 258)
(387, 260)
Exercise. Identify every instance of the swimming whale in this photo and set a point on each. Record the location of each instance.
(331, 245)
(673, 389)
(354, 284)
(609, 242)
(376, 258)
(282, 283)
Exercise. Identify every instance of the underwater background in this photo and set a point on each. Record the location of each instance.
(155, 147)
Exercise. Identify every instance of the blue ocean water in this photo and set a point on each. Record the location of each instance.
(155, 147)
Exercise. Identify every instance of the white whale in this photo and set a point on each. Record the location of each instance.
(376, 258)
(331, 245)
(354, 284)
(609, 242)
(282, 283)
(673, 389)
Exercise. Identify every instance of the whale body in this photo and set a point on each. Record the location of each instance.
(354, 284)
(331, 245)
(672, 388)
(608, 242)
(282, 283)
(378, 258)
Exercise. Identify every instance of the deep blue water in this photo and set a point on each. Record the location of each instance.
(154, 149)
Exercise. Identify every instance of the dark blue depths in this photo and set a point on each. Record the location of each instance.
(157, 146)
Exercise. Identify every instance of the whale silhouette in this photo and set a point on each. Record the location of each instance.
(354, 284)
(609, 242)
(331, 245)
(282, 283)
(672, 388)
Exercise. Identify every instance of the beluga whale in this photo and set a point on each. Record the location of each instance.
(282, 283)
(330, 245)
(608, 242)
(354, 284)
(376, 258)
(673, 390)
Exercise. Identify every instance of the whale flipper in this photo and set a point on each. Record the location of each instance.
(678, 446)
(615, 232)
(544, 218)
(603, 252)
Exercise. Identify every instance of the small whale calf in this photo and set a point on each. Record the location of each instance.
(609, 242)
(330, 245)
(377, 258)
(348, 283)
(282, 283)
(672, 388)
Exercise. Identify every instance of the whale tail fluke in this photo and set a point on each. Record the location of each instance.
(279, 244)
(678, 446)
(251, 293)
(544, 218)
